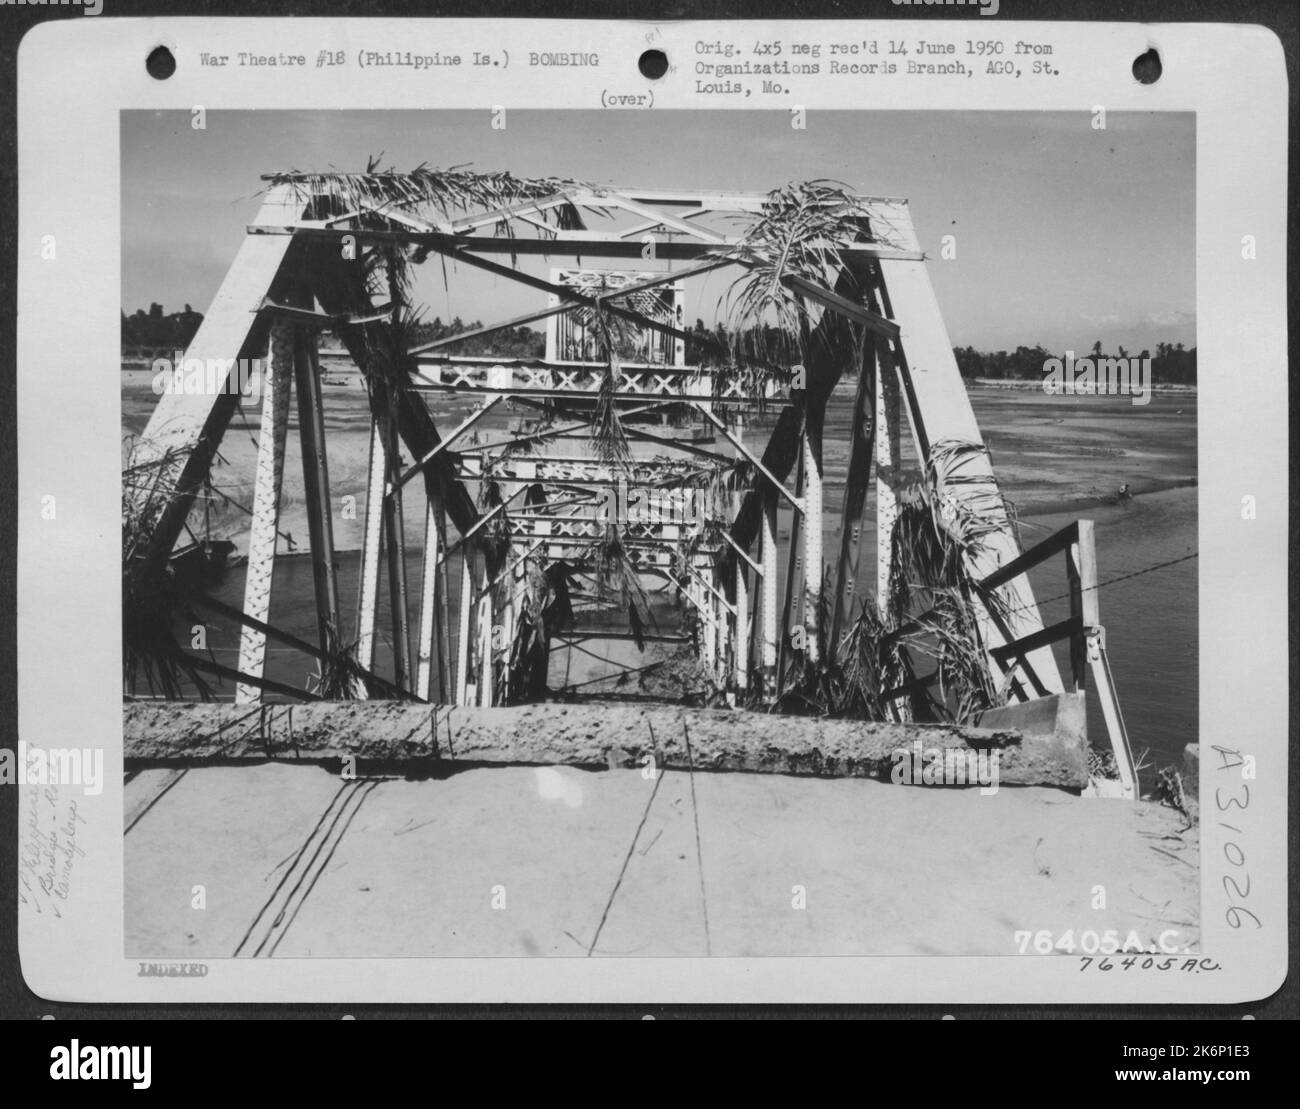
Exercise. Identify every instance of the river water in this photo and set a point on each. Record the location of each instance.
(1057, 459)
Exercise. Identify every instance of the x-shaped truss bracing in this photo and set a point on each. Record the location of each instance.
(698, 501)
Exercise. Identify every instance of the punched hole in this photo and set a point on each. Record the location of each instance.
(160, 63)
(653, 64)
(1147, 67)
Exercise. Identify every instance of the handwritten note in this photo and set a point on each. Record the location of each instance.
(51, 826)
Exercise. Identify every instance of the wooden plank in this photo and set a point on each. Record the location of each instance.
(1042, 638)
(1040, 552)
(1078, 648)
(1109, 701)
(915, 685)
(1087, 561)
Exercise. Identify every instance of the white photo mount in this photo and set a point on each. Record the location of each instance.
(73, 940)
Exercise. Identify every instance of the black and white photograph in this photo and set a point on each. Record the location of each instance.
(772, 513)
(716, 538)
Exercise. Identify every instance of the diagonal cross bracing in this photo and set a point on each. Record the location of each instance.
(289, 262)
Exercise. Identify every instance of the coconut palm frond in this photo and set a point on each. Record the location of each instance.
(494, 537)
(753, 377)
(970, 521)
(154, 600)
(815, 687)
(798, 236)
(1012, 512)
(619, 582)
(386, 271)
(709, 532)
(936, 538)
(921, 555)
(948, 635)
(947, 455)
(545, 610)
(606, 337)
(148, 487)
(937, 534)
(339, 676)
(152, 655)
(872, 662)
(449, 193)
(676, 473)
(609, 440)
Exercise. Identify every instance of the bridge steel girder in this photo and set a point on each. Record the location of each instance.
(186, 428)
(288, 258)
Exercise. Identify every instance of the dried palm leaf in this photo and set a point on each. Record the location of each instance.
(618, 582)
(799, 235)
(447, 193)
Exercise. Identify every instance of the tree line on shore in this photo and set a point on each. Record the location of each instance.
(159, 334)
(1171, 363)
(156, 333)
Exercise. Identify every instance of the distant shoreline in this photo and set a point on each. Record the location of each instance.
(1025, 385)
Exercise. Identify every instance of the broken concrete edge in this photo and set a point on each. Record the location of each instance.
(1051, 750)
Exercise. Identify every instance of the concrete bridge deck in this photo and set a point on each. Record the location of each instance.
(296, 862)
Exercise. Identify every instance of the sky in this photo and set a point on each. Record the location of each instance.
(1065, 235)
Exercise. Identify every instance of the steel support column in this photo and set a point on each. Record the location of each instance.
(368, 578)
(431, 603)
(771, 632)
(264, 531)
(316, 482)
